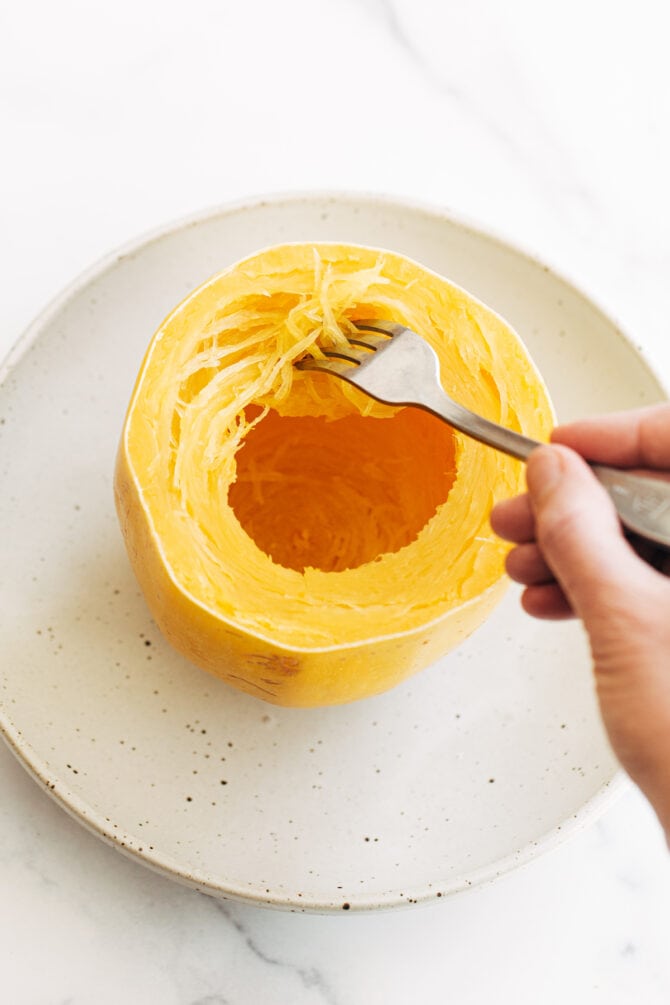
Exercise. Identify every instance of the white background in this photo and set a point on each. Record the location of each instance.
(548, 123)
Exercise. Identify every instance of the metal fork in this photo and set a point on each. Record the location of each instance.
(398, 367)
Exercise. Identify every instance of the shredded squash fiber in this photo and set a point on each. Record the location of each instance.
(290, 534)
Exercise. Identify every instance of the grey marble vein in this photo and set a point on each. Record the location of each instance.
(557, 169)
(310, 977)
(397, 31)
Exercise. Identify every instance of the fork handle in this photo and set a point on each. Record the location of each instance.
(642, 502)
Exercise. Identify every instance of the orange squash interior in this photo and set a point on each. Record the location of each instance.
(334, 495)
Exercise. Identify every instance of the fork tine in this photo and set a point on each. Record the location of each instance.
(383, 327)
(347, 352)
(326, 366)
(369, 341)
(360, 338)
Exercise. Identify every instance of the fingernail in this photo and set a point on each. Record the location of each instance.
(544, 471)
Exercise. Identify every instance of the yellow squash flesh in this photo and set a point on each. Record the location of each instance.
(292, 536)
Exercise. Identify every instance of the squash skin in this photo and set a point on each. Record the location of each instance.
(282, 674)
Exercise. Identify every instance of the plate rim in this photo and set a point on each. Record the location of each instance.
(123, 840)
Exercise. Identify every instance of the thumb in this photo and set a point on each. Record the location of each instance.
(580, 537)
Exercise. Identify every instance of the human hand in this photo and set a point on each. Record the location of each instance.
(573, 559)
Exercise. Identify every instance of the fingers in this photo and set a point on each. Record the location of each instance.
(571, 554)
(513, 520)
(547, 601)
(579, 535)
(543, 597)
(525, 564)
(639, 438)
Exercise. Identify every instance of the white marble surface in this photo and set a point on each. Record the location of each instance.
(547, 122)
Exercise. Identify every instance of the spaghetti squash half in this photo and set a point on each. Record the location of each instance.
(294, 537)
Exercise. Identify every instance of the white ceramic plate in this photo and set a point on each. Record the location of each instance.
(471, 768)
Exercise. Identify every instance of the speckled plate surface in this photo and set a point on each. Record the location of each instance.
(473, 767)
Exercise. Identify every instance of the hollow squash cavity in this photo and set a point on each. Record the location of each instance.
(334, 495)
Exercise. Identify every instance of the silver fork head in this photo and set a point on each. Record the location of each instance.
(386, 360)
